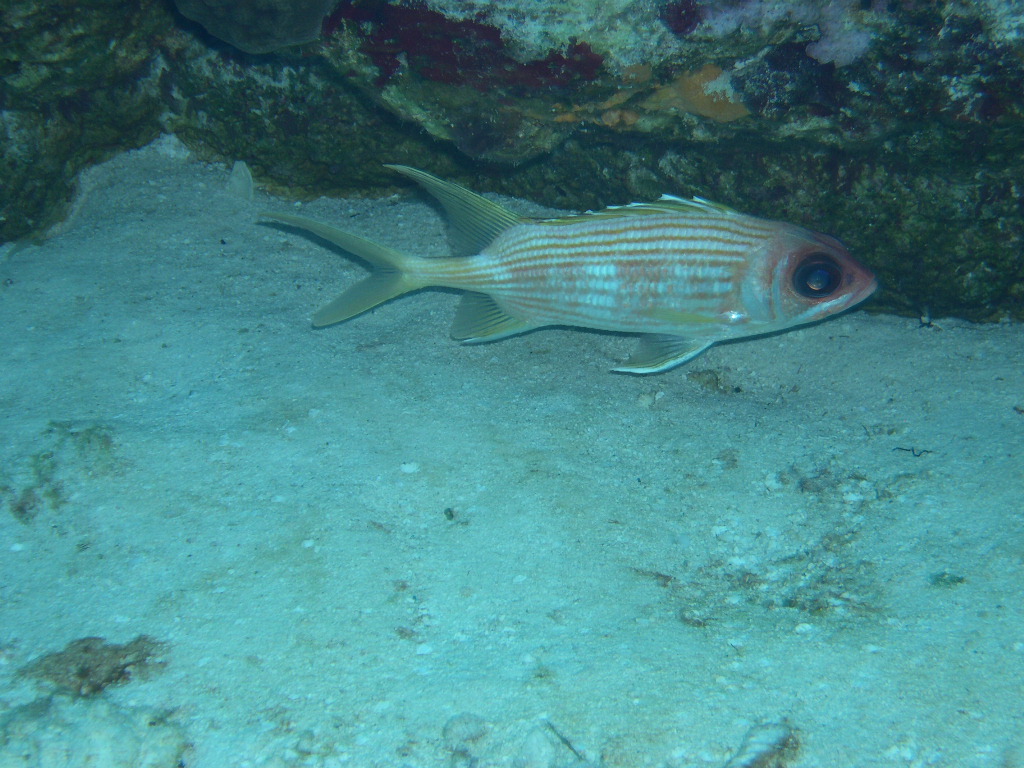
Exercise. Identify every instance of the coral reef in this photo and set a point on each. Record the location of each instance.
(276, 123)
(79, 84)
(896, 126)
(844, 29)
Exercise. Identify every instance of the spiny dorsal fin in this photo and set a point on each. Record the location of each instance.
(665, 204)
(475, 220)
(671, 202)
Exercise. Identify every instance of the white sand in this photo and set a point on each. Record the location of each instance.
(651, 564)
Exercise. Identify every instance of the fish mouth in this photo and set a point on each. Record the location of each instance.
(860, 283)
(854, 298)
(858, 296)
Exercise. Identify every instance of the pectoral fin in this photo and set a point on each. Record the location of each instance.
(659, 352)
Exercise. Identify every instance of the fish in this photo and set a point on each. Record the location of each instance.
(683, 274)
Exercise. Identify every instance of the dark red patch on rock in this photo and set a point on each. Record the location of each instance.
(681, 17)
(457, 52)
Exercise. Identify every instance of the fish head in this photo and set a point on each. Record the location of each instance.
(800, 276)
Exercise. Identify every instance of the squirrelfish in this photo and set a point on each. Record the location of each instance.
(685, 274)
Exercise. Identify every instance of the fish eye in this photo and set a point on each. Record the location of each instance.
(817, 276)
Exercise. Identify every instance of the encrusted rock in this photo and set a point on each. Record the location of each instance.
(259, 26)
(88, 733)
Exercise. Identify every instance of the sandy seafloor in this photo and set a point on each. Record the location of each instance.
(348, 537)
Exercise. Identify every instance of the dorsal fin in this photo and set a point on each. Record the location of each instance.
(671, 202)
(665, 204)
(475, 220)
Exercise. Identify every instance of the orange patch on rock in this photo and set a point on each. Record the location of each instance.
(619, 118)
(706, 92)
(637, 74)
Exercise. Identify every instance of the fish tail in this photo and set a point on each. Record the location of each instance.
(391, 272)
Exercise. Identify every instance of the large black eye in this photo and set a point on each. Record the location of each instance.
(817, 276)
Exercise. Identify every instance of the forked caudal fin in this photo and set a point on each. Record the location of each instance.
(475, 221)
(389, 276)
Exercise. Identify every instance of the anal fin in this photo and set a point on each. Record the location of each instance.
(659, 352)
(479, 318)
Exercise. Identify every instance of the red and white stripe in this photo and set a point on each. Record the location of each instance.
(627, 271)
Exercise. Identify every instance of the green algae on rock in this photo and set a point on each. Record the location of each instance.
(85, 667)
(80, 82)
